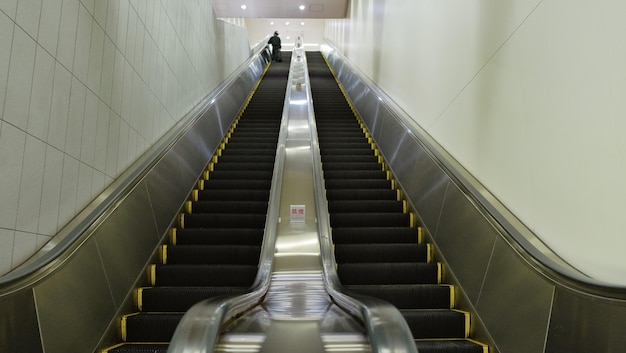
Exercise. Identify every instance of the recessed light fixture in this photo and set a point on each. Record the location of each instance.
(271, 23)
(287, 23)
(301, 23)
(243, 7)
(302, 7)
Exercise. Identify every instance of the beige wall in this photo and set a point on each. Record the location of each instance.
(85, 88)
(527, 94)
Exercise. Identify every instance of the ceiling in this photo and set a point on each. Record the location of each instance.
(280, 8)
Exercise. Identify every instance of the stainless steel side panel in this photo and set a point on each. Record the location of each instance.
(522, 304)
(67, 304)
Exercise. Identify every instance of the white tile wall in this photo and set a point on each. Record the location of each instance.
(527, 96)
(87, 86)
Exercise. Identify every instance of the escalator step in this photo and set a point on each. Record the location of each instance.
(229, 207)
(360, 253)
(358, 184)
(219, 236)
(408, 296)
(388, 273)
(233, 195)
(224, 220)
(180, 299)
(369, 220)
(364, 158)
(247, 184)
(244, 167)
(375, 235)
(240, 174)
(213, 254)
(349, 150)
(328, 166)
(240, 150)
(233, 158)
(449, 346)
(205, 275)
(440, 323)
(349, 206)
(361, 194)
(355, 174)
(149, 327)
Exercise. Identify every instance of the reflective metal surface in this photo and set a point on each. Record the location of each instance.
(526, 299)
(73, 289)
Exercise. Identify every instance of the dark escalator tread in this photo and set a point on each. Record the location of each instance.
(370, 220)
(436, 323)
(219, 236)
(358, 184)
(355, 174)
(140, 348)
(229, 207)
(399, 252)
(180, 299)
(358, 206)
(240, 174)
(213, 254)
(361, 194)
(244, 166)
(408, 296)
(226, 220)
(247, 184)
(233, 195)
(367, 235)
(449, 346)
(388, 273)
(268, 158)
(151, 327)
(205, 275)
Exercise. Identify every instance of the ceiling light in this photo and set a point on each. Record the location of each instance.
(243, 7)
(302, 7)
(271, 23)
(301, 23)
(287, 23)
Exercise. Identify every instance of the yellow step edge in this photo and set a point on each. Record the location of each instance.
(393, 184)
(205, 175)
(181, 221)
(412, 220)
(420, 235)
(405, 206)
(429, 253)
(173, 236)
(152, 274)
(124, 325)
(163, 254)
(439, 272)
(189, 204)
(194, 196)
(389, 175)
(211, 167)
(200, 185)
(452, 296)
(138, 298)
(215, 159)
(399, 195)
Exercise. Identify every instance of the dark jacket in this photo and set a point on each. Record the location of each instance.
(274, 41)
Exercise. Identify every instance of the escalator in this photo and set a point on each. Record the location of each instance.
(378, 248)
(214, 250)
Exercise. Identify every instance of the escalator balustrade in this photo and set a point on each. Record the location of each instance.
(215, 249)
(379, 250)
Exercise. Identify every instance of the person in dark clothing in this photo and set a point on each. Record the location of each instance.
(275, 42)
